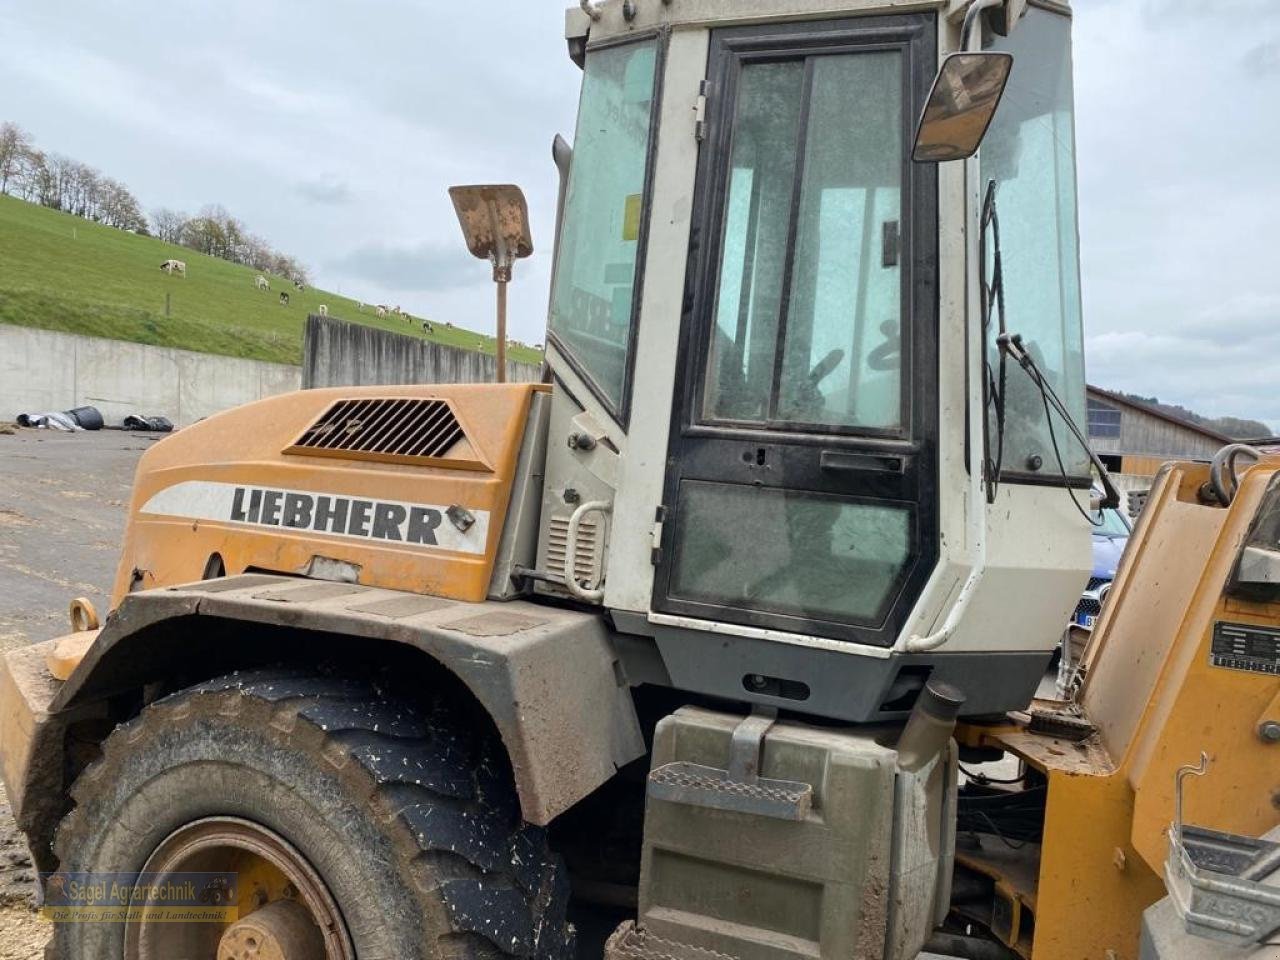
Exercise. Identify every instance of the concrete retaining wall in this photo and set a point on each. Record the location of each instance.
(340, 354)
(41, 370)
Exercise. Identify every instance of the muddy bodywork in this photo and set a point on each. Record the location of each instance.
(405, 488)
(547, 678)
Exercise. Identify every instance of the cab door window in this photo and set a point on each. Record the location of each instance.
(809, 309)
(801, 488)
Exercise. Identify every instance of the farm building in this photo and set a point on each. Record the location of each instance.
(1134, 438)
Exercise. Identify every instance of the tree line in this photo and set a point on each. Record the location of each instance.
(63, 183)
(1237, 428)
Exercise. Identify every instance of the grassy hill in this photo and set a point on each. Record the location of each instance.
(59, 272)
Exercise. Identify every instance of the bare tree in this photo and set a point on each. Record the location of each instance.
(168, 225)
(15, 143)
(119, 208)
(55, 187)
(30, 175)
(60, 182)
(90, 191)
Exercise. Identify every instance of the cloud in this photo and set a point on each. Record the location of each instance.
(327, 192)
(1159, 12)
(1247, 321)
(419, 268)
(1263, 59)
(1218, 364)
(1177, 199)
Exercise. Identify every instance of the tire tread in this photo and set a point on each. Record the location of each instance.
(438, 788)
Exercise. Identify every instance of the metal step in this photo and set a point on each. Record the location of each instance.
(630, 942)
(740, 788)
(700, 786)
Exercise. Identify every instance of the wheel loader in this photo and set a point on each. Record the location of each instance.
(725, 640)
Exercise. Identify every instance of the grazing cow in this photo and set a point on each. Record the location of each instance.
(284, 299)
(261, 282)
(360, 306)
(382, 312)
(174, 266)
(427, 327)
(299, 286)
(397, 311)
(324, 311)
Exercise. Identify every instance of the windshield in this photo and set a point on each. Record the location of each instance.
(1030, 154)
(593, 295)
(1109, 523)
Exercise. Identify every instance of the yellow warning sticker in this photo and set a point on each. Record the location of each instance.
(631, 218)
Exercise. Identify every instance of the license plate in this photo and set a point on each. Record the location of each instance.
(1086, 620)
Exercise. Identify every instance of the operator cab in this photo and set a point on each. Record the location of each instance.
(782, 440)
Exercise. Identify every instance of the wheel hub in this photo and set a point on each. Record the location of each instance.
(282, 930)
(283, 910)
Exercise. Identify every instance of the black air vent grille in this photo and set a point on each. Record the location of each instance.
(390, 428)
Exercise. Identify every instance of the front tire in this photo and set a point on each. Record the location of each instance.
(406, 816)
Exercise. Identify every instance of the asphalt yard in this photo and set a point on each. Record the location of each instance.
(63, 502)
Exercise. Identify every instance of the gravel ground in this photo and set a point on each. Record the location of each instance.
(63, 500)
(22, 934)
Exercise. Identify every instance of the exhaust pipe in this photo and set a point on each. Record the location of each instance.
(930, 726)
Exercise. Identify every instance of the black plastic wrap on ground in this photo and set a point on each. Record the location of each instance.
(89, 418)
(148, 424)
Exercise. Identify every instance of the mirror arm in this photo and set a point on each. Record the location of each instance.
(971, 19)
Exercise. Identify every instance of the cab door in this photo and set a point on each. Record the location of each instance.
(801, 488)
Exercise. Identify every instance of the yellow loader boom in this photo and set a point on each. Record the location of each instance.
(1185, 661)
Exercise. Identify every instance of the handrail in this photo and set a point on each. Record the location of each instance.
(571, 551)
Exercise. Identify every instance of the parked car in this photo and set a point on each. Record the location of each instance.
(1110, 535)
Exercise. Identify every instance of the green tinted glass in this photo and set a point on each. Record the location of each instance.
(814, 337)
(594, 291)
(798, 554)
(1030, 154)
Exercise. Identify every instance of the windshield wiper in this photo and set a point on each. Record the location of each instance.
(1010, 346)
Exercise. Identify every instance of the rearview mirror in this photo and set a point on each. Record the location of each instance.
(961, 104)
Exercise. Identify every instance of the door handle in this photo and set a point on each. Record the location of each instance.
(837, 461)
(891, 234)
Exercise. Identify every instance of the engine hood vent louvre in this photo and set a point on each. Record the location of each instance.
(413, 430)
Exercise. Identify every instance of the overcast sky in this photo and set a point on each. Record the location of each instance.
(334, 128)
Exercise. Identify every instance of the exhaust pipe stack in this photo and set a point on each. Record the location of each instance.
(930, 726)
